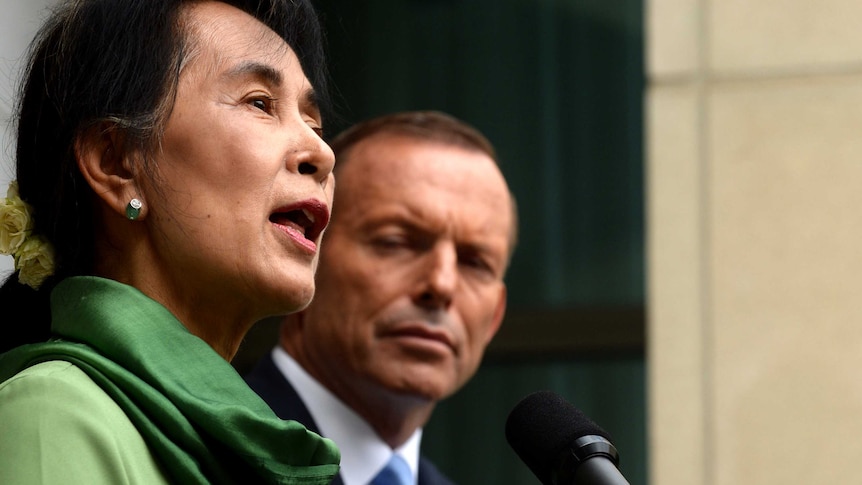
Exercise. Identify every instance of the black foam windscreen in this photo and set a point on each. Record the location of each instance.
(542, 425)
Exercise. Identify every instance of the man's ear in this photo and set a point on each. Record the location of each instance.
(499, 313)
(107, 167)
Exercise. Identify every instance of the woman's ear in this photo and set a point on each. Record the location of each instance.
(107, 167)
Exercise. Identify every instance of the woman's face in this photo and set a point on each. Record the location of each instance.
(246, 182)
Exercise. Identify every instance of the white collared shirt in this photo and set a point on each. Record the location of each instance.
(363, 453)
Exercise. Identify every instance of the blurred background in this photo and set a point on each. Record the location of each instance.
(558, 87)
(688, 176)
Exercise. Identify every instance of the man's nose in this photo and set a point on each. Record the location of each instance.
(440, 277)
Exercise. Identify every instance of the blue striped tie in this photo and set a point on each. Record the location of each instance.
(396, 472)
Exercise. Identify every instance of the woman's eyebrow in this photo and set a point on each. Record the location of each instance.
(256, 69)
(270, 74)
(311, 100)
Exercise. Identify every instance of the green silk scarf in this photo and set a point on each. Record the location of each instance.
(203, 423)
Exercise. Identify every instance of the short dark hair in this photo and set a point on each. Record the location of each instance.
(434, 126)
(426, 125)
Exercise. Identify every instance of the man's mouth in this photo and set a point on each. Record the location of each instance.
(423, 333)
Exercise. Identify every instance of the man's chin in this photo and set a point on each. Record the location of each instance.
(423, 388)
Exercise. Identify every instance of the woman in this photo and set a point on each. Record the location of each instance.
(172, 187)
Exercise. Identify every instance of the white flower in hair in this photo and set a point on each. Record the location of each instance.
(33, 254)
(35, 261)
(15, 222)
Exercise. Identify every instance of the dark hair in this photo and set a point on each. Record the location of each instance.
(434, 126)
(115, 65)
(426, 125)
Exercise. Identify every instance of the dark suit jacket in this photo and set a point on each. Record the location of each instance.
(274, 388)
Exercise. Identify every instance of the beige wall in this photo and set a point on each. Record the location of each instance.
(755, 241)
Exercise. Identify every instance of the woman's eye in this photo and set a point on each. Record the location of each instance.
(263, 104)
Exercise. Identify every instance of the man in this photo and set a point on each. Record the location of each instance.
(409, 291)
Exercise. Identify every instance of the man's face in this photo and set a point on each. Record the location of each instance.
(410, 285)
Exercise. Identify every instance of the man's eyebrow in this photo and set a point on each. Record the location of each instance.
(256, 69)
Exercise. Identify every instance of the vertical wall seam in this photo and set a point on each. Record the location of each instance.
(707, 343)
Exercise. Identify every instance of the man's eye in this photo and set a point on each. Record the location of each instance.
(390, 242)
(475, 262)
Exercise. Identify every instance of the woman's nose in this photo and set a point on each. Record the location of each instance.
(315, 157)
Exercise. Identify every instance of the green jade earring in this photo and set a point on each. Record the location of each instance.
(133, 209)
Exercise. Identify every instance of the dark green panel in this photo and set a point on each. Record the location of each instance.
(466, 435)
(557, 86)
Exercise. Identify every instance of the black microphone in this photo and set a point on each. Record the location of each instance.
(560, 444)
